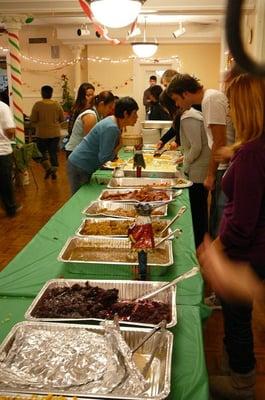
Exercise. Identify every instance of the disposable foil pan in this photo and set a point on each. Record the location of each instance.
(124, 191)
(78, 232)
(94, 209)
(75, 247)
(128, 290)
(152, 174)
(156, 183)
(156, 124)
(158, 376)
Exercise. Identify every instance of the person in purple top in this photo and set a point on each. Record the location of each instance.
(242, 229)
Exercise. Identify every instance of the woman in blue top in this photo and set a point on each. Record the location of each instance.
(101, 144)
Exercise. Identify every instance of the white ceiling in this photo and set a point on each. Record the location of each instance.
(202, 19)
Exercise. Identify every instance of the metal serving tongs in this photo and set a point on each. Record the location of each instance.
(161, 325)
(156, 345)
(179, 213)
(176, 233)
(193, 271)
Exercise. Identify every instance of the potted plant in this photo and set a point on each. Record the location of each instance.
(67, 98)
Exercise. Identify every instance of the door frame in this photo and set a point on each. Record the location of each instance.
(138, 89)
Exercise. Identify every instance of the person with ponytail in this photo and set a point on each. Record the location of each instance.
(102, 106)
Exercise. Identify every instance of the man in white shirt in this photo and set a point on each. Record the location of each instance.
(7, 132)
(186, 90)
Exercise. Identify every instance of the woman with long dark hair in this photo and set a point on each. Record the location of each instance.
(102, 106)
(84, 100)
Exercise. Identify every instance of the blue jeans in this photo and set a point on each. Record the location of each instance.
(218, 200)
(77, 176)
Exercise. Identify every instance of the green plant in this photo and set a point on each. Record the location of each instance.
(67, 98)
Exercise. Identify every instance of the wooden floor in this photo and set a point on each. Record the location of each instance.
(40, 203)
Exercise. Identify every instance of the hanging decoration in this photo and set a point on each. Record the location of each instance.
(29, 19)
(101, 86)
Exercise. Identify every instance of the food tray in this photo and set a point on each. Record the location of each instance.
(156, 124)
(158, 376)
(152, 174)
(94, 209)
(128, 290)
(156, 183)
(118, 221)
(132, 200)
(110, 251)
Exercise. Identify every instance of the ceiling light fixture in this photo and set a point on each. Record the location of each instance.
(180, 31)
(116, 13)
(144, 49)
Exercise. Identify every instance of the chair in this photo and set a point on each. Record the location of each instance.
(22, 157)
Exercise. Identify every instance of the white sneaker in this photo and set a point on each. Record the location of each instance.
(213, 302)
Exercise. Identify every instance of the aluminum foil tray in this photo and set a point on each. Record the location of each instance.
(128, 290)
(162, 223)
(156, 183)
(156, 124)
(95, 209)
(158, 376)
(123, 191)
(152, 174)
(106, 250)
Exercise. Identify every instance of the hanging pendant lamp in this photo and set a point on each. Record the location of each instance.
(145, 49)
(115, 13)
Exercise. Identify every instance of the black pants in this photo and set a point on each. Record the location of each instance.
(238, 338)
(48, 148)
(6, 185)
(218, 200)
(199, 211)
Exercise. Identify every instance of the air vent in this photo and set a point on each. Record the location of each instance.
(55, 52)
(37, 40)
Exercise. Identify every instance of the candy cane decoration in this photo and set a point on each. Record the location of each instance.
(16, 83)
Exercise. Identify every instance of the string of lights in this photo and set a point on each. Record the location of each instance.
(96, 59)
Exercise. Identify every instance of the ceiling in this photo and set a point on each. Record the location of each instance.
(202, 19)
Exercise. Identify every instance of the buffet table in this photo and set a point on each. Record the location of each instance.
(37, 262)
(24, 276)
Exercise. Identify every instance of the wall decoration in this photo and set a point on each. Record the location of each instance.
(101, 86)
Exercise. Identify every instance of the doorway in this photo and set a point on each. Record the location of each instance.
(142, 70)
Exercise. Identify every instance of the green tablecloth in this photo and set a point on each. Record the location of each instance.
(188, 376)
(37, 262)
(24, 276)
